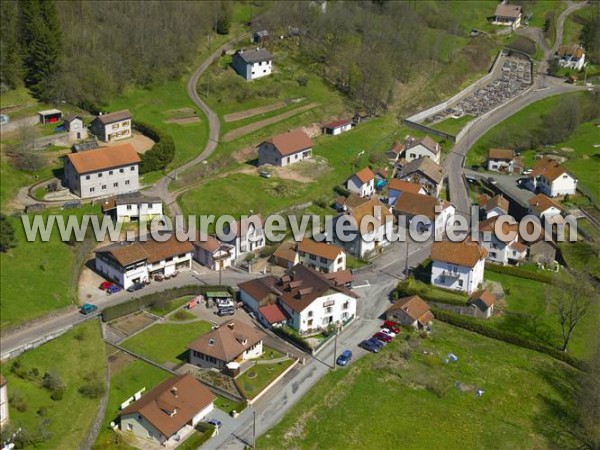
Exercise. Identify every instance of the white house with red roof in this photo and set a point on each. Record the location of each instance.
(362, 183)
(285, 149)
(247, 235)
(549, 177)
(212, 253)
(457, 265)
(544, 207)
(501, 241)
(337, 127)
(422, 148)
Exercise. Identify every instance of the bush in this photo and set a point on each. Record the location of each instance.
(293, 337)
(17, 401)
(521, 273)
(471, 324)
(162, 152)
(93, 388)
(58, 395)
(267, 251)
(7, 234)
(52, 381)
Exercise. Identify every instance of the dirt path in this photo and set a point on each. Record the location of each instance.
(247, 129)
(253, 112)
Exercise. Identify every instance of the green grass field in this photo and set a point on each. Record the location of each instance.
(77, 354)
(574, 24)
(125, 382)
(403, 398)
(171, 306)
(258, 377)
(166, 343)
(38, 277)
(453, 126)
(581, 256)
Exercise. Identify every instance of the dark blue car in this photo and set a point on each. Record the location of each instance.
(344, 358)
(368, 345)
(113, 289)
(377, 343)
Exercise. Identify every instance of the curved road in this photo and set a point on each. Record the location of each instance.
(544, 86)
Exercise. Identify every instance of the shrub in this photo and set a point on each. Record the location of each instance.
(519, 272)
(52, 382)
(162, 152)
(93, 388)
(7, 234)
(302, 80)
(17, 401)
(293, 337)
(57, 395)
(267, 251)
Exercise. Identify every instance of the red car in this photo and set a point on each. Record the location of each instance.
(383, 337)
(105, 285)
(391, 326)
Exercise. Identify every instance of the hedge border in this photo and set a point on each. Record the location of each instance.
(520, 273)
(162, 152)
(156, 299)
(479, 327)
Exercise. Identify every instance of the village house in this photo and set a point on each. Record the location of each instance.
(337, 127)
(544, 207)
(410, 311)
(493, 206)
(422, 148)
(102, 172)
(113, 126)
(231, 342)
(551, 179)
(397, 187)
(285, 255)
(311, 300)
(259, 37)
(75, 127)
(350, 202)
(4, 417)
(285, 149)
(457, 265)
(321, 256)
(169, 412)
(501, 160)
(248, 235)
(570, 57)
(508, 15)
(127, 263)
(132, 207)
(362, 183)
(395, 152)
(374, 238)
(482, 302)
(271, 316)
(503, 247)
(426, 172)
(543, 251)
(212, 253)
(252, 64)
(439, 212)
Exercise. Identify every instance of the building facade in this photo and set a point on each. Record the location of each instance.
(253, 64)
(112, 127)
(457, 265)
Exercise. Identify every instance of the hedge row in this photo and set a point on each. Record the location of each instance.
(161, 153)
(484, 329)
(521, 273)
(156, 299)
(294, 338)
(427, 292)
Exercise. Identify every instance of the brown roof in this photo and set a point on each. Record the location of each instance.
(418, 204)
(489, 226)
(365, 175)
(541, 203)
(228, 341)
(397, 148)
(272, 313)
(484, 296)
(497, 201)
(337, 123)
(302, 285)
(286, 252)
(207, 242)
(404, 186)
(426, 166)
(464, 253)
(291, 142)
(260, 288)
(341, 277)
(548, 168)
(506, 10)
(372, 207)
(352, 201)
(126, 253)
(414, 307)
(172, 404)
(104, 158)
(426, 142)
(116, 116)
(518, 246)
(322, 249)
(501, 153)
(71, 117)
(571, 50)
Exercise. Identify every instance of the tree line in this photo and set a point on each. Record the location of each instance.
(86, 52)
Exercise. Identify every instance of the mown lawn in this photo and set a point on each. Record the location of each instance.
(166, 343)
(77, 354)
(453, 126)
(125, 382)
(582, 256)
(397, 398)
(258, 377)
(38, 277)
(171, 306)
(574, 24)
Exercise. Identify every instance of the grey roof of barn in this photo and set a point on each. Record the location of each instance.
(255, 55)
(116, 116)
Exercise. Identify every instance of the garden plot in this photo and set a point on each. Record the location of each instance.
(133, 323)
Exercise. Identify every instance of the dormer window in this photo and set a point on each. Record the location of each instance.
(211, 341)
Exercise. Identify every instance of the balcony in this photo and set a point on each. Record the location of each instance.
(450, 274)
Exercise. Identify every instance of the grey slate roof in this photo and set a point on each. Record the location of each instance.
(255, 55)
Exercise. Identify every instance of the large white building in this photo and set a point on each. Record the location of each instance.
(502, 247)
(457, 265)
(102, 172)
(128, 263)
(321, 256)
(570, 56)
(168, 412)
(248, 236)
(112, 127)
(133, 207)
(551, 179)
(437, 212)
(311, 300)
(253, 64)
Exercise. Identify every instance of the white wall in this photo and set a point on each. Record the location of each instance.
(144, 211)
(450, 276)
(358, 187)
(113, 181)
(419, 151)
(3, 405)
(139, 426)
(497, 165)
(247, 299)
(302, 321)
(323, 264)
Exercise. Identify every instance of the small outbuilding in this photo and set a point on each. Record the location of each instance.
(50, 116)
(337, 127)
(483, 303)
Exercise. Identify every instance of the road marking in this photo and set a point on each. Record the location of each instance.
(366, 284)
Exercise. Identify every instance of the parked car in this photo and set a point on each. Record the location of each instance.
(71, 205)
(344, 358)
(105, 285)
(369, 346)
(527, 172)
(492, 180)
(215, 423)
(225, 312)
(159, 277)
(113, 289)
(391, 326)
(135, 287)
(224, 303)
(389, 332)
(376, 342)
(88, 308)
(265, 174)
(383, 337)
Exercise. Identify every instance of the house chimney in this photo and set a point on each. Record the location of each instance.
(174, 391)
(231, 325)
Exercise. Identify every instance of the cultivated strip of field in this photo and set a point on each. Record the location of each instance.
(253, 112)
(247, 129)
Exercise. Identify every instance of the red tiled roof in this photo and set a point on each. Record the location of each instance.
(337, 123)
(104, 158)
(541, 203)
(548, 168)
(414, 307)
(506, 10)
(418, 204)
(291, 142)
(126, 253)
(322, 249)
(365, 175)
(487, 297)
(464, 253)
(272, 314)
(404, 186)
(501, 153)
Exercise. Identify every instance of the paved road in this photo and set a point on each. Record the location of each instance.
(544, 86)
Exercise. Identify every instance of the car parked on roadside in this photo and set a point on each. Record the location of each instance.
(135, 287)
(113, 289)
(369, 346)
(389, 332)
(88, 308)
(377, 342)
(391, 326)
(105, 285)
(215, 423)
(383, 337)
(344, 358)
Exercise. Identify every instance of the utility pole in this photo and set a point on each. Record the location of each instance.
(220, 267)
(406, 260)
(254, 429)
(335, 348)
